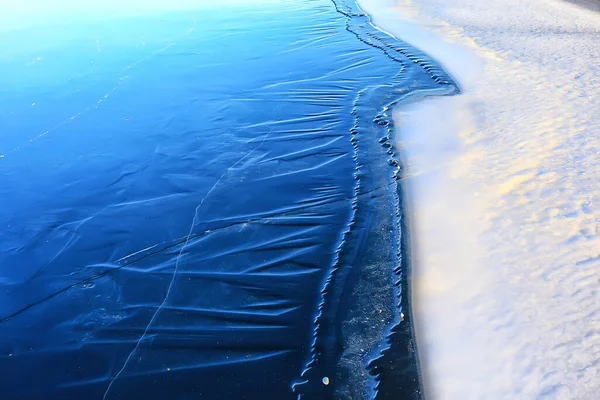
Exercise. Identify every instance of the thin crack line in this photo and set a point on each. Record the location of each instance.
(177, 265)
(104, 97)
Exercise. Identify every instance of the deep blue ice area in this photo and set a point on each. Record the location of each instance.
(204, 204)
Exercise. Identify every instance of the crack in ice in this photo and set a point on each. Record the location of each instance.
(106, 95)
(189, 235)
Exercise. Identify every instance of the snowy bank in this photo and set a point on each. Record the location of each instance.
(504, 196)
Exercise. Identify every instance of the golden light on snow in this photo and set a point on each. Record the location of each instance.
(506, 266)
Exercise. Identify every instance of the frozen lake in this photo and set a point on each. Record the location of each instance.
(199, 201)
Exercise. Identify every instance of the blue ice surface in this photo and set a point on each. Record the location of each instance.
(188, 200)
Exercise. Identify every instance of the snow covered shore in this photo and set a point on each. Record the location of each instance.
(504, 197)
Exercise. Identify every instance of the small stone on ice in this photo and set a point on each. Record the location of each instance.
(325, 381)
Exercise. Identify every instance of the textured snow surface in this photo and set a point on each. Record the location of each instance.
(505, 204)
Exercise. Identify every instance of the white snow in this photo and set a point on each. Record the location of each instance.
(505, 197)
